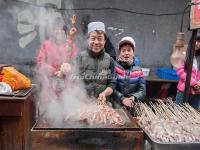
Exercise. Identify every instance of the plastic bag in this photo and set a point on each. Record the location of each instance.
(5, 88)
(15, 79)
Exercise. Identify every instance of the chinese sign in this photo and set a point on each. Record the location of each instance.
(195, 15)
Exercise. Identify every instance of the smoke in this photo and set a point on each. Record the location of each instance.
(27, 21)
(54, 114)
(60, 100)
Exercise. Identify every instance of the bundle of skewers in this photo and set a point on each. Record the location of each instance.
(169, 122)
(101, 115)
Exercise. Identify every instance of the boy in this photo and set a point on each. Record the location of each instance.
(130, 84)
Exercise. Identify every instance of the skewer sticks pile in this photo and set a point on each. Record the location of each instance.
(167, 122)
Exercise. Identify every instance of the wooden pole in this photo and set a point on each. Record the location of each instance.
(189, 63)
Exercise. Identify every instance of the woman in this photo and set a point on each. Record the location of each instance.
(130, 86)
(58, 49)
(52, 60)
(194, 96)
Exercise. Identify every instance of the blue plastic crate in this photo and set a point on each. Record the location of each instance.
(167, 73)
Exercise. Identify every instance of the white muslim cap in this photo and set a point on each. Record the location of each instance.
(93, 26)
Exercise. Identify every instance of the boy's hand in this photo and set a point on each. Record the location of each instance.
(133, 99)
(128, 102)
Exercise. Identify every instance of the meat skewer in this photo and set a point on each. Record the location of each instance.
(169, 122)
(103, 115)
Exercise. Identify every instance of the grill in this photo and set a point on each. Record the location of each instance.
(81, 137)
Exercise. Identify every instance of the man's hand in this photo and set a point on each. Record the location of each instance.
(128, 102)
(102, 96)
(102, 99)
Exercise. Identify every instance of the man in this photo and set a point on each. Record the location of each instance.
(96, 67)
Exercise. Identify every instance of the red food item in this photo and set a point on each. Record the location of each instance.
(1, 77)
